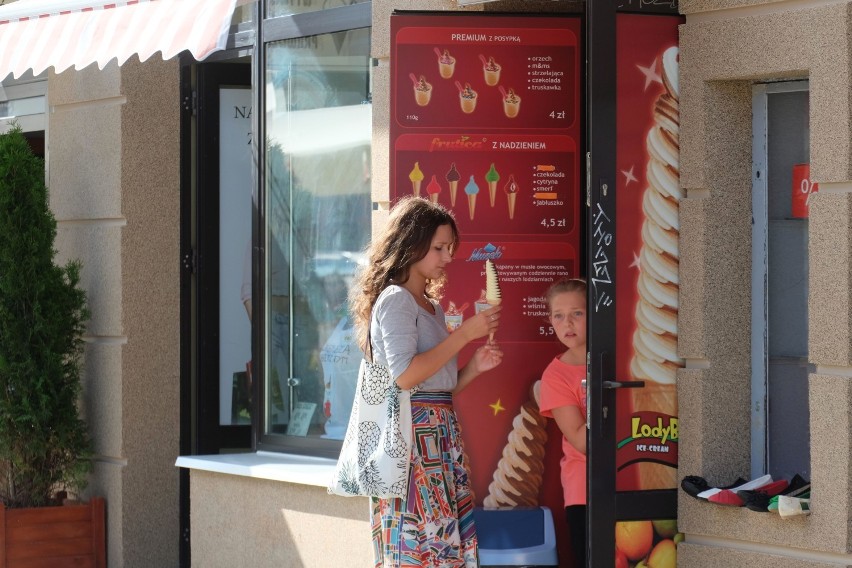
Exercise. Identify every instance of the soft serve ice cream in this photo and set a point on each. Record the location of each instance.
(416, 176)
(471, 190)
(655, 358)
(511, 189)
(453, 178)
(492, 177)
(517, 480)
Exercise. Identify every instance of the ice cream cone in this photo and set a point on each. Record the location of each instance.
(492, 192)
(655, 360)
(493, 294)
(416, 176)
(433, 189)
(454, 186)
(471, 205)
(518, 477)
(512, 197)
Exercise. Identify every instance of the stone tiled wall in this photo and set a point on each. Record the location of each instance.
(723, 54)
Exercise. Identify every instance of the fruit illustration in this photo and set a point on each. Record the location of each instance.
(634, 538)
(666, 528)
(664, 555)
(621, 560)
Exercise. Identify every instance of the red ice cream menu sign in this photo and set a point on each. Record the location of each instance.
(485, 120)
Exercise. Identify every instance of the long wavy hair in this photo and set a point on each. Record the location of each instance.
(404, 241)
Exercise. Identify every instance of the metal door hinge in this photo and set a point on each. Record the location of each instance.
(190, 103)
(190, 261)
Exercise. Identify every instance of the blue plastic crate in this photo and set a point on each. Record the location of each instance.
(516, 537)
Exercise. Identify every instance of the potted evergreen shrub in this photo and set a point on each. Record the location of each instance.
(45, 449)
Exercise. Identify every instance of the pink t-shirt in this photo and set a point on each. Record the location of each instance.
(561, 386)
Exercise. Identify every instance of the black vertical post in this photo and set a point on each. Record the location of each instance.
(600, 241)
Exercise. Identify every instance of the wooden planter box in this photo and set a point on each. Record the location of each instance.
(71, 536)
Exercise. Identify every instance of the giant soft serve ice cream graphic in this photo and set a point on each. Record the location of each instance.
(655, 358)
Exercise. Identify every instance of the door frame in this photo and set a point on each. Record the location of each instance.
(606, 506)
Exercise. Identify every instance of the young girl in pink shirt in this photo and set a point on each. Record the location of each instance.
(563, 398)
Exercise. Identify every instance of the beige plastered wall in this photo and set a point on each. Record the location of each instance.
(727, 47)
(113, 176)
(241, 521)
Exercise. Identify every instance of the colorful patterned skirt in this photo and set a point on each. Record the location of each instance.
(433, 526)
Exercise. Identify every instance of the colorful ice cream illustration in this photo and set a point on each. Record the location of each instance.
(433, 189)
(492, 177)
(453, 178)
(511, 189)
(492, 289)
(491, 70)
(511, 103)
(467, 97)
(422, 90)
(471, 189)
(446, 63)
(416, 177)
(453, 317)
(481, 303)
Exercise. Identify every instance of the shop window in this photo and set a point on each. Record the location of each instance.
(317, 222)
(780, 416)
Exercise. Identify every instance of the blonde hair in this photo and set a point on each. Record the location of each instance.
(404, 241)
(563, 286)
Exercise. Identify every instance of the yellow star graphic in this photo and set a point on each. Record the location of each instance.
(497, 407)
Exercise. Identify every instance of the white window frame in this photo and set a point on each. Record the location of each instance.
(24, 88)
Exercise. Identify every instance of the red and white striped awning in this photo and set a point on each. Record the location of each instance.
(37, 34)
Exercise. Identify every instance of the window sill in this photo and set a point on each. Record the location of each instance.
(291, 468)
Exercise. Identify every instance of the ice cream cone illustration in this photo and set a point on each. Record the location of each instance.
(472, 190)
(511, 189)
(491, 70)
(492, 288)
(454, 316)
(655, 358)
(511, 103)
(481, 304)
(422, 90)
(517, 480)
(467, 97)
(453, 178)
(416, 176)
(446, 63)
(433, 189)
(492, 177)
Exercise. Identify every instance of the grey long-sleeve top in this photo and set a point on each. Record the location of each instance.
(400, 329)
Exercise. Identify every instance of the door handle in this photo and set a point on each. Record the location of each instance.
(623, 384)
